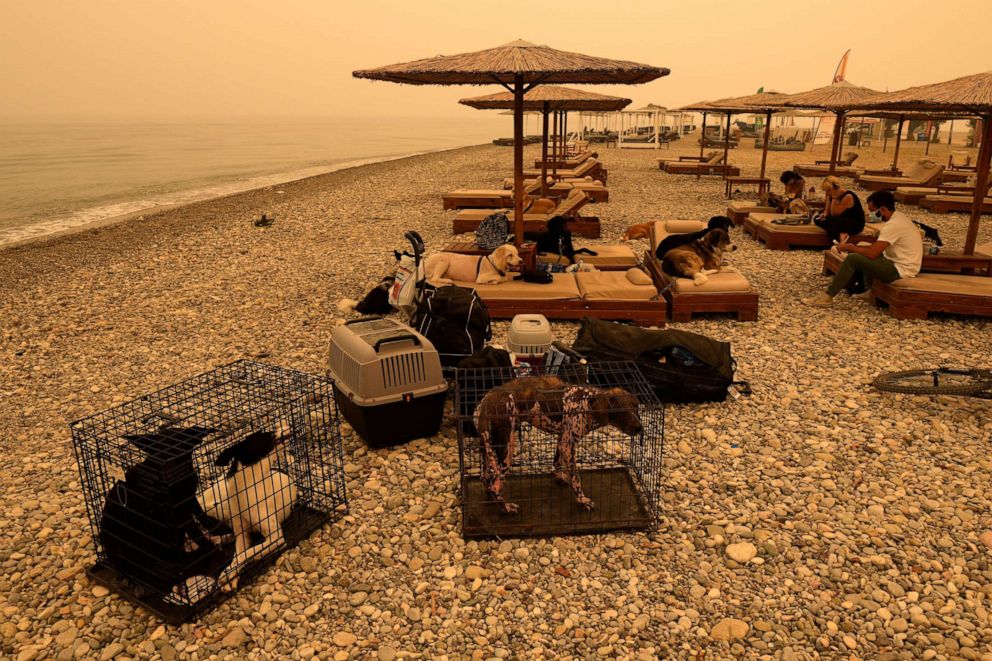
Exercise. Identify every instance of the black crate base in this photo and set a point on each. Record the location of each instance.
(618, 506)
(297, 527)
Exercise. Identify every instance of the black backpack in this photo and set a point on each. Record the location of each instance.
(680, 366)
(455, 320)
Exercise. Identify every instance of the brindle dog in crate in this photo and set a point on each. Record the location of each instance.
(565, 410)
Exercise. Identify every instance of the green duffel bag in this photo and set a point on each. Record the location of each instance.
(680, 366)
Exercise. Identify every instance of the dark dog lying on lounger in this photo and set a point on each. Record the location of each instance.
(563, 409)
(676, 240)
(557, 240)
(701, 258)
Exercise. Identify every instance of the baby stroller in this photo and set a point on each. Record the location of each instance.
(453, 318)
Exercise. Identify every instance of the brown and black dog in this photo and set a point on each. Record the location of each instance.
(563, 409)
(699, 259)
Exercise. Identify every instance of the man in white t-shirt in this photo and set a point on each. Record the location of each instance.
(897, 253)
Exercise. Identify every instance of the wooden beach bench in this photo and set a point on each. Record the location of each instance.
(569, 162)
(726, 292)
(601, 294)
(468, 220)
(663, 162)
(589, 168)
(787, 237)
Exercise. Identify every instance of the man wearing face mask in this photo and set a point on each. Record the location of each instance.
(897, 253)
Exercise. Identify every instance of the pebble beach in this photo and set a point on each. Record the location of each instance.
(815, 519)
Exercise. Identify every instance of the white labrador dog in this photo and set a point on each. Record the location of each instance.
(448, 267)
(254, 497)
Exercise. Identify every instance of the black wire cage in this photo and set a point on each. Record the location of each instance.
(193, 490)
(558, 450)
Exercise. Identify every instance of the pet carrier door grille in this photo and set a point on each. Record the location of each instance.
(403, 370)
(575, 449)
(192, 490)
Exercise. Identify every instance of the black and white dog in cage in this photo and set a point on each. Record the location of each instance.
(193, 489)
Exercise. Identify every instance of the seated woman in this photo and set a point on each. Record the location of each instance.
(776, 200)
(793, 202)
(843, 215)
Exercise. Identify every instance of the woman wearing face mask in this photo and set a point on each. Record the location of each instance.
(843, 215)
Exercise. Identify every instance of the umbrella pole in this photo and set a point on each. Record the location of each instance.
(930, 127)
(835, 147)
(702, 137)
(895, 155)
(885, 137)
(518, 159)
(726, 147)
(950, 133)
(981, 185)
(544, 150)
(554, 146)
(564, 134)
(764, 148)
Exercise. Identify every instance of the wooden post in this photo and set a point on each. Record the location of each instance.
(544, 149)
(895, 155)
(950, 133)
(726, 146)
(930, 126)
(885, 135)
(554, 146)
(764, 149)
(981, 185)
(518, 159)
(564, 134)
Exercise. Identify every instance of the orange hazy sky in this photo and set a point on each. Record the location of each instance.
(225, 58)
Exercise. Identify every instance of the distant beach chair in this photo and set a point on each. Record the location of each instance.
(468, 220)
(821, 168)
(922, 173)
(712, 165)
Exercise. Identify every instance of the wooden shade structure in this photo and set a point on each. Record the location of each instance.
(547, 99)
(837, 98)
(903, 117)
(971, 95)
(518, 66)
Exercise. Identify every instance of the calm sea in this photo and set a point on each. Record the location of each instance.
(55, 175)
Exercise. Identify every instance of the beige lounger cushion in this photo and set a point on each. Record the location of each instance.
(619, 255)
(638, 277)
(479, 192)
(562, 288)
(613, 286)
(665, 228)
(871, 229)
(984, 249)
(919, 173)
(941, 283)
(728, 279)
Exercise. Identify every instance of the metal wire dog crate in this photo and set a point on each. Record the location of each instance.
(193, 490)
(584, 456)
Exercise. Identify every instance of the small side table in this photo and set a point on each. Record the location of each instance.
(763, 184)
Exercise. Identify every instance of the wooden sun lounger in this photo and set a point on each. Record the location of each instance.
(916, 298)
(915, 194)
(570, 162)
(844, 167)
(727, 292)
(739, 210)
(923, 173)
(713, 165)
(588, 168)
(663, 162)
(503, 198)
(787, 237)
(954, 203)
(955, 176)
(946, 261)
(574, 296)
(468, 220)
(617, 257)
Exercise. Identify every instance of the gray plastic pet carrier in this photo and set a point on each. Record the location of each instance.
(388, 382)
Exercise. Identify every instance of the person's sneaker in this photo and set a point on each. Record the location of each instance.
(821, 300)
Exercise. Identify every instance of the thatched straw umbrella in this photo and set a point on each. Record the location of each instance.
(517, 66)
(548, 99)
(838, 98)
(970, 95)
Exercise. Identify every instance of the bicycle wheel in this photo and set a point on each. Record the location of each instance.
(941, 381)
